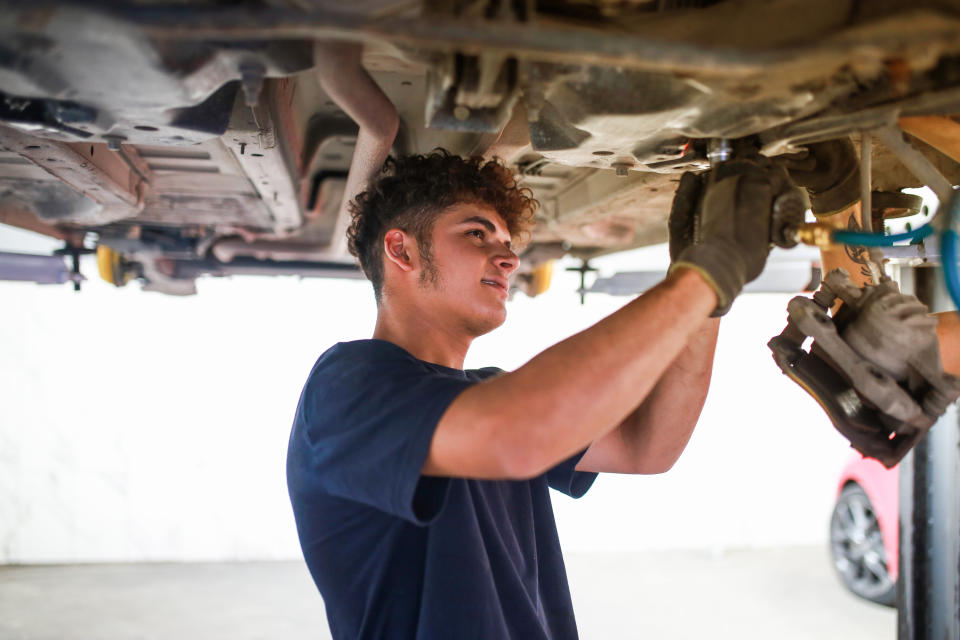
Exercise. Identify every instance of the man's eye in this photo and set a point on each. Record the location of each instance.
(477, 233)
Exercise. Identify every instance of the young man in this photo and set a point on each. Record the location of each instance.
(420, 490)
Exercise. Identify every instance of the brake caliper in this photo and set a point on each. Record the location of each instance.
(874, 365)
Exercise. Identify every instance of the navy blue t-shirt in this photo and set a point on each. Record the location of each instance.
(400, 555)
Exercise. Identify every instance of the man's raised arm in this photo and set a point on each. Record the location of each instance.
(522, 423)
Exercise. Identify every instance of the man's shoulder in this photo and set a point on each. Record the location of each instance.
(386, 357)
(370, 352)
(368, 347)
(352, 377)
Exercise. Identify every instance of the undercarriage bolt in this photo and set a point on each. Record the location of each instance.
(114, 141)
(718, 150)
(622, 169)
(251, 79)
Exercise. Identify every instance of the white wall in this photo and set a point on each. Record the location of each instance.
(135, 426)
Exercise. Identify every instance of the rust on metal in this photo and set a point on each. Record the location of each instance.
(256, 132)
(20, 217)
(89, 169)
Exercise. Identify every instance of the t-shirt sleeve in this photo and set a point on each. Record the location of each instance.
(566, 479)
(367, 423)
(563, 477)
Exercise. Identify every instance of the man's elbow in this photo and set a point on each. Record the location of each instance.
(384, 129)
(522, 463)
(656, 462)
(652, 467)
(520, 454)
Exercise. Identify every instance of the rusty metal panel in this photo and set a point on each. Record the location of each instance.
(92, 170)
(261, 147)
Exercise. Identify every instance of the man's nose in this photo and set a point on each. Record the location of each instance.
(507, 260)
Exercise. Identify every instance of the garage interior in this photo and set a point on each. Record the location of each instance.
(199, 161)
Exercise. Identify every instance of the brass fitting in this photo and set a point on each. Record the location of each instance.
(815, 234)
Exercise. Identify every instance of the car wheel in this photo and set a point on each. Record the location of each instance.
(857, 548)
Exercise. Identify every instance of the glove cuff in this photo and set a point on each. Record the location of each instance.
(721, 269)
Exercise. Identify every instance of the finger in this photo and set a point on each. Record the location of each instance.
(920, 322)
(903, 308)
(680, 225)
(894, 298)
(800, 164)
(908, 308)
(685, 199)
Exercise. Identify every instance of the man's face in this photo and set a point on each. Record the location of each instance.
(466, 280)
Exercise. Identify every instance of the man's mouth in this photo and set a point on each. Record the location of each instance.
(499, 284)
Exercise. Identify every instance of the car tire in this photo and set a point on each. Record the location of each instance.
(856, 544)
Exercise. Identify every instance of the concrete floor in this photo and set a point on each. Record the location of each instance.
(780, 593)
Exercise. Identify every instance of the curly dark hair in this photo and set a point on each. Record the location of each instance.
(413, 190)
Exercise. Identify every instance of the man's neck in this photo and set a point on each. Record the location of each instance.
(422, 336)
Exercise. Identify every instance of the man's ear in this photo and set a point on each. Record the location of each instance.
(400, 249)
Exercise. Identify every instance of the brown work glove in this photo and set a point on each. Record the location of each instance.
(890, 328)
(830, 171)
(731, 224)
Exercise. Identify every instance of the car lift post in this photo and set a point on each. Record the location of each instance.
(928, 585)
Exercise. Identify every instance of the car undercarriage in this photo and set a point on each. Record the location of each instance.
(220, 138)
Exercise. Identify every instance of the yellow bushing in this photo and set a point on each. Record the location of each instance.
(542, 276)
(110, 266)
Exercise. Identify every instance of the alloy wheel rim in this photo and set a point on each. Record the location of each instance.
(857, 544)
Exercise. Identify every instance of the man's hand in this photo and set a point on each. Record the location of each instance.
(888, 317)
(731, 217)
(830, 171)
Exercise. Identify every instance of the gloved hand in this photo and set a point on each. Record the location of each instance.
(731, 224)
(889, 319)
(830, 171)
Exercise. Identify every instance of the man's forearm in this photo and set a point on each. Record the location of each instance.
(948, 334)
(639, 344)
(852, 259)
(580, 389)
(577, 393)
(658, 430)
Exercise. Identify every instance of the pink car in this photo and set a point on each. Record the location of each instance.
(864, 530)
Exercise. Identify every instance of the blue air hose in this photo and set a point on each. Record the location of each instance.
(867, 239)
(948, 249)
(948, 244)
